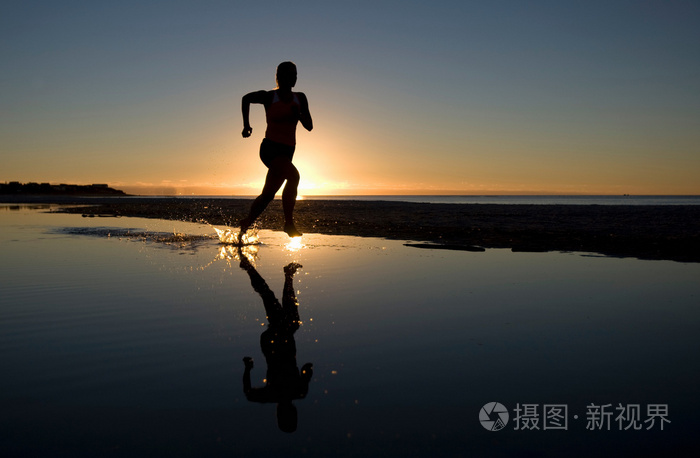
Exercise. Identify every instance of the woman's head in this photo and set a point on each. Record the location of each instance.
(286, 75)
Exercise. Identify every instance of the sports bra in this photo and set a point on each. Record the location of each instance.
(281, 120)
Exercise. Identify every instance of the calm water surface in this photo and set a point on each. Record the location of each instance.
(126, 337)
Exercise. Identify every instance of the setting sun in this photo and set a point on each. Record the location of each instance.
(503, 114)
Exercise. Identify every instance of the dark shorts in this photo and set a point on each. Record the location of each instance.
(269, 151)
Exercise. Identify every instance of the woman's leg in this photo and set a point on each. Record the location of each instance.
(281, 169)
(273, 181)
(289, 199)
(290, 305)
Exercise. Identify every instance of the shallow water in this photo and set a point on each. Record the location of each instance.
(126, 337)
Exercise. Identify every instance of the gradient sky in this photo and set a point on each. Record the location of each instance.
(408, 97)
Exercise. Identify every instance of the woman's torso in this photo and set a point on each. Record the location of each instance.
(282, 113)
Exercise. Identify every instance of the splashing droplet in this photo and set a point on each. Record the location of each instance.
(231, 237)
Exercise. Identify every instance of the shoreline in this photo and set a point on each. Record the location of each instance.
(654, 232)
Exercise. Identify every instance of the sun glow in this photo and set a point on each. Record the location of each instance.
(295, 244)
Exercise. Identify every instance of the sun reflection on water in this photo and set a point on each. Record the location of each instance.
(295, 244)
(231, 252)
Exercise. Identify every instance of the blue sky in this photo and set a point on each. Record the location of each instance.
(407, 97)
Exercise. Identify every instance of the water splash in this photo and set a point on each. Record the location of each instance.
(230, 237)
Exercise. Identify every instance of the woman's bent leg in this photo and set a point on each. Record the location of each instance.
(273, 181)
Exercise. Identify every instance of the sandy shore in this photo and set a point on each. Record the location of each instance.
(645, 232)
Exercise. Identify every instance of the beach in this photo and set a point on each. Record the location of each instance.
(663, 232)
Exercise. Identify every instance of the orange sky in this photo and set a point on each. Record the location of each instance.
(446, 99)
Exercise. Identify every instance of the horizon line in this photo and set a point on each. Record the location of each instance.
(485, 194)
(167, 190)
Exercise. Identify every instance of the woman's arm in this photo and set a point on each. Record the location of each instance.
(252, 97)
(304, 115)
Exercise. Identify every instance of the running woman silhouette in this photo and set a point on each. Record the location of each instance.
(283, 109)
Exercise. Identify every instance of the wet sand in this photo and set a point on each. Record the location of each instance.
(647, 232)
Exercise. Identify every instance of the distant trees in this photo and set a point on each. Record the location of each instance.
(15, 187)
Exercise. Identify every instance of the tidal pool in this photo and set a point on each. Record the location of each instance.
(126, 337)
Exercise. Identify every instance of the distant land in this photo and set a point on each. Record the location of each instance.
(47, 189)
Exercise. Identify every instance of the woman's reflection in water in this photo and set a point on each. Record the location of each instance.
(284, 382)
